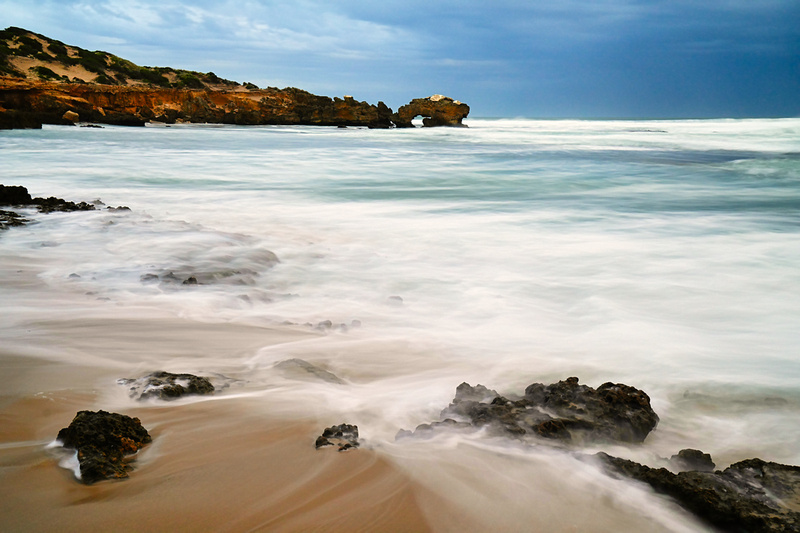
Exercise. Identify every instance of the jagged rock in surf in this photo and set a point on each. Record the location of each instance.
(102, 441)
(689, 459)
(565, 411)
(752, 496)
(167, 386)
(345, 436)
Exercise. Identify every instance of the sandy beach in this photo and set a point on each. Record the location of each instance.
(244, 458)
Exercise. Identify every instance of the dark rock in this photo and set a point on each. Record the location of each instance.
(53, 204)
(345, 436)
(167, 386)
(565, 411)
(102, 440)
(14, 195)
(689, 459)
(14, 119)
(148, 278)
(191, 280)
(751, 496)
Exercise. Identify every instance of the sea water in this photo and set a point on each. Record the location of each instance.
(660, 254)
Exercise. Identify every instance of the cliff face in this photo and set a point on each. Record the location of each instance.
(48, 102)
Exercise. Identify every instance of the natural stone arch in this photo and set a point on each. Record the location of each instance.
(437, 110)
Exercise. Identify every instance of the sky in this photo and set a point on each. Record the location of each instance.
(505, 58)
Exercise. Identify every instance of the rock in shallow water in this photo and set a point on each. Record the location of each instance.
(167, 386)
(565, 411)
(102, 440)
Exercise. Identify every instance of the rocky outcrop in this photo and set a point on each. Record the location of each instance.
(751, 496)
(167, 386)
(345, 436)
(437, 110)
(103, 440)
(44, 81)
(565, 411)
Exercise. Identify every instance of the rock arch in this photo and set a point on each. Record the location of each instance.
(437, 110)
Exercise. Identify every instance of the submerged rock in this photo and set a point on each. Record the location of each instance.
(345, 436)
(167, 386)
(102, 441)
(565, 411)
(751, 496)
(300, 368)
(10, 219)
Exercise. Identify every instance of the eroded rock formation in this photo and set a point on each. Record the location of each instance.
(437, 110)
(36, 102)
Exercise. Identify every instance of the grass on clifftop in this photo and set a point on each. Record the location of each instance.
(50, 56)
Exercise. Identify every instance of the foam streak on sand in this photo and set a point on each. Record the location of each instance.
(388, 267)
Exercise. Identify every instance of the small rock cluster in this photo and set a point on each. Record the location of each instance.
(345, 436)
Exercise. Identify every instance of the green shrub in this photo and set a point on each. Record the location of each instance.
(187, 79)
(47, 74)
(93, 61)
(105, 80)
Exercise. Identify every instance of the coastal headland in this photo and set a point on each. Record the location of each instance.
(44, 81)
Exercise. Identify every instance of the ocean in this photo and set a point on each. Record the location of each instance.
(663, 254)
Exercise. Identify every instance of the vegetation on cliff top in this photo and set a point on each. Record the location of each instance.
(25, 54)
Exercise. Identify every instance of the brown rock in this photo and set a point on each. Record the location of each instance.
(71, 116)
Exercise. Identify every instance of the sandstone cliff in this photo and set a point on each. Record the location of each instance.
(43, 81)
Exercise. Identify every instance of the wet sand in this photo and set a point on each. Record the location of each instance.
(224, 464)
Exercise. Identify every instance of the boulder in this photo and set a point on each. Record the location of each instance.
(167, 386)
(751, 496)
(437, 110)
(688, 459)
(102, 441)
(70, 116)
